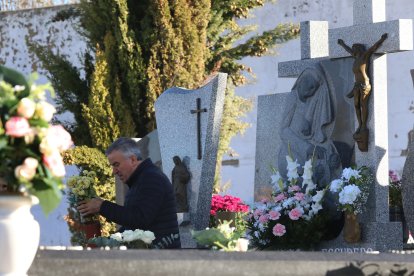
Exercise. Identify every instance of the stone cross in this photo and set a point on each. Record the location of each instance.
(369, 25)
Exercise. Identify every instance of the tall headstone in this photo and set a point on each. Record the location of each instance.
(188, 123)
(378, 232)
(407, 181)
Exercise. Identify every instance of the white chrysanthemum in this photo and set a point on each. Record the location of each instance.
(349, 194)
(347, 173)
(148, 237)
(128, 236)
(336, 185)
(117, 236)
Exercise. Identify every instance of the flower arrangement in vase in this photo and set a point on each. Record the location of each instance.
(81, 188)
(31, 167)
(352, 190)
(291, 219)
(30, 147)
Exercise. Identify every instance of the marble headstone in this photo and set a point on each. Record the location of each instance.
(181, 133)
(407, 181)
(270, 118)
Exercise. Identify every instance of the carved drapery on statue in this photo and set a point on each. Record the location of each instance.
(308, 125)
(180, 177)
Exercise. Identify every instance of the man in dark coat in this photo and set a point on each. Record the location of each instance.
(149, 203)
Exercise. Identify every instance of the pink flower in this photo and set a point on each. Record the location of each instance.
(295, 188)
(263, 219)
(257, 213)
(17, 127)
(279, 230)
(295, 214)
(299, 196)
(279, 197)
(274, 215)
(54, 163)
(57, 138)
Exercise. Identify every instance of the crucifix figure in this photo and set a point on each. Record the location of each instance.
(198, 111)
(362, 87)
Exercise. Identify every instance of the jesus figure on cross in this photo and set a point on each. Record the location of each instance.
(362, 86)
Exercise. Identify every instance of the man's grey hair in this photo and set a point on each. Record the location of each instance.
(125, 145)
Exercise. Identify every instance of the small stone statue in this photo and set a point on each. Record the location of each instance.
(362, 87)
(180, 178)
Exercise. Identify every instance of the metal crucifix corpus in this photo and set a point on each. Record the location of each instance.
(199, 110)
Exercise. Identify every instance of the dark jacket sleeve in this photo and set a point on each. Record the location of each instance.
(144, 203)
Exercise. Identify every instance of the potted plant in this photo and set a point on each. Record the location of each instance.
(223, 237)
(351, 190)
(292, 218)
(227, 207)
(32, 168)
(133, 239)
(81, 188)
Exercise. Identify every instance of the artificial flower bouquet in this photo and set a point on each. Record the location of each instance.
(136, 239)
(292, 218)
(352, 189)
(223, 237)
(30, 146)
(224, 204)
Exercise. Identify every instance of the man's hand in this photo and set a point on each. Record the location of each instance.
(90, 207)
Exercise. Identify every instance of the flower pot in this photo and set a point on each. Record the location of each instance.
(19, 234)
(90, 230)
(352, 229)
(228, 216)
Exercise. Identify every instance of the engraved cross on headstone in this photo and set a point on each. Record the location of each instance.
(369, 25)
(198, 111)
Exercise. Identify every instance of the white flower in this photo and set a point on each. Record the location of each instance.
(336, 185)
(318, 197)
(18, 88)
(347, 173)
(117, 236)
(242, 245)
(275, 178)
(292, 167)
(26, 108)
(310, 186)
(288, 202)
(316, 207)
(307, 170)
(349, 194)
(128, 236)
(45, 110)
(148, 237)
